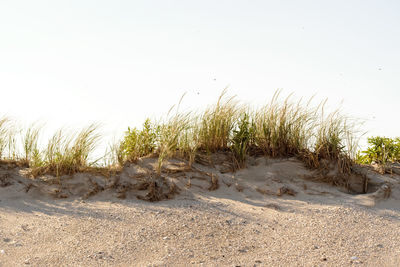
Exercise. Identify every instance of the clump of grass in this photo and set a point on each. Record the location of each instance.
(30, 145)
(173, 135)
(283, 129)
(3, 135)
(12, 145)
(84, 144)
(334, 142)
(329, 142)
(9, 140)
(189, 141)
(114, 157)
(67, 154)
(217, 123)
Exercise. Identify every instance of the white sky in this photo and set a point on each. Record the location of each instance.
(118, 62)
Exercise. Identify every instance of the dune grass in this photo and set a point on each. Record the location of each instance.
(217, 122)
(3, 135)
(8, 139)
(66, 153)
(284, 128)
(281, 128)
(30, 138)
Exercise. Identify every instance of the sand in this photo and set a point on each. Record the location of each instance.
(269, 214)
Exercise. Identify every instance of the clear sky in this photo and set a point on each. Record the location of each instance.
(118, 62)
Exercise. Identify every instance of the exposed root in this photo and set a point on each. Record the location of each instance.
(154, 194)
(214, 183)
(11, 164)
(265, 192)
(142, 186)
(239, 187)
(203, 160)
(285, 190)
(28, 187)
(156, 187)
(5, 180)
(96, 188)
(272, 206)
(173, 190)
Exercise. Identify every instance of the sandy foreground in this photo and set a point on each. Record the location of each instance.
(266, 215)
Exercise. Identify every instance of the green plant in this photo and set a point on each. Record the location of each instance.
(242, 136)
(381, 150)
(216, 124)
(173, 135)
(169, 134)
(329, 138)
(30, 145)
(67, 154)
(138, 143)
(189, 141)
(12, 144)
(114, 156)
(36, 159)
(284, 129)
(84, 143)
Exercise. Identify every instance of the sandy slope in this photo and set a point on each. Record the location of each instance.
(243, 223)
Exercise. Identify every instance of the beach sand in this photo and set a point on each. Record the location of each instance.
(272, 213)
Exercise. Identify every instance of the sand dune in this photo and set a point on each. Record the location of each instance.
(275, 212)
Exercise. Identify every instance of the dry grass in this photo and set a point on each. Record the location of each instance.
(3, 135)
(284, 129)
(30, 138)
(67, 153)
(216, 124)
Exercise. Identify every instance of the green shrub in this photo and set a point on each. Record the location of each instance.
(242, 138)
(139, 143)
(381, 150)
